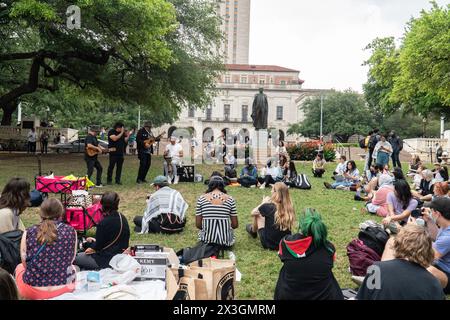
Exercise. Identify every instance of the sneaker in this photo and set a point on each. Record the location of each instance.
(327, 185)
(99, 186)
(253, 186)
(392, 228)
(119, 183)
(358, 280)
(139, 181)
(263, 186)
(250, 231)
(358, 198)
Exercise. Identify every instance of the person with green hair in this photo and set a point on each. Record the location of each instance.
(308, 259)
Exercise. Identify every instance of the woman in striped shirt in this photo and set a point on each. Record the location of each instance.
(216, 215)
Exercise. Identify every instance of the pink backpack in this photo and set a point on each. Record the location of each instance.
(360, 257)
(84, 219)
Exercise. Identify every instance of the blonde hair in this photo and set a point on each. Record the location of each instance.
(413, 243)
(285, 215)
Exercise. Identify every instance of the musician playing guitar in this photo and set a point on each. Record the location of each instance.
(145, 150)
(92, 162)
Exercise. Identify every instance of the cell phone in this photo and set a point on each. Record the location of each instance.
(417, 213)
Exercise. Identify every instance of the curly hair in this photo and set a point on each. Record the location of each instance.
(413, 243)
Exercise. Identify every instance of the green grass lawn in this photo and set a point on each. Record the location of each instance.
(259, 267)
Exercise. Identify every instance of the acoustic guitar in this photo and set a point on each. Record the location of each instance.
(93, 152)
(148, 143)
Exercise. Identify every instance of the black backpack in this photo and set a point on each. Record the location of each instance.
(199, 252)
(10, 250)
(373, 142)
(301, 182)
(375, 238)
(362, 143)
(230, 172)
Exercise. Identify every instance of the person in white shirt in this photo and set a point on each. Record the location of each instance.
(382, 151)
(32, 141)
(341, 167)
(172, 155)
(281, 148)
(273, 174)
(194, 145)
(230, 165)
(63, 139)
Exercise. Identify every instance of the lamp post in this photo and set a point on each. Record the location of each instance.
(442, 126)
(424, 126)
(48, 112)
(139, 116)
(321, 116)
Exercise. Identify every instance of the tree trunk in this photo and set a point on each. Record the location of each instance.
(8, 110)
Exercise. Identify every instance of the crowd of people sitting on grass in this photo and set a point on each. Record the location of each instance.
(419, 251)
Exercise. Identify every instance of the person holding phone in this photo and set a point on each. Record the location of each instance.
(437, 217)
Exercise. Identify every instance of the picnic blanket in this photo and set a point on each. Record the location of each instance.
(137, 290)
(116, 283)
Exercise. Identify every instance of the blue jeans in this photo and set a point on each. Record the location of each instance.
(341, 183)
(382, 158)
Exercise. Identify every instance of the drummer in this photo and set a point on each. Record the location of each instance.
(172, 158)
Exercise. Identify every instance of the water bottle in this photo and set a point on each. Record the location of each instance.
(231, 256)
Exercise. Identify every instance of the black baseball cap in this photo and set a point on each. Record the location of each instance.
(441, 204)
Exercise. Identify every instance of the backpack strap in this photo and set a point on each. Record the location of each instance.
(118, 235)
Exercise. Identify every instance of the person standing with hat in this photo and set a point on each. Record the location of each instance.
(144, 151)
(92, 162)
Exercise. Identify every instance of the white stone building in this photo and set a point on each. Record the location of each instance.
(232, 107)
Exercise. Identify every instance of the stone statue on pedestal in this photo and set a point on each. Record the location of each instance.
(260, 110)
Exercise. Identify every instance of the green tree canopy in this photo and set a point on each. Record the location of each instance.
(416, 76)
(344, 114)
(153, 53)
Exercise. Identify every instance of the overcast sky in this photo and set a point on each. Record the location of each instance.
(324, 39)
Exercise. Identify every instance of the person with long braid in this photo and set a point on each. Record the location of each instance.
(308, 260)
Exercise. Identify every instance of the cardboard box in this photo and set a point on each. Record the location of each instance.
(154, 262)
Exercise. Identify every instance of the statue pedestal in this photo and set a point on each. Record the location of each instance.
(260, 148)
